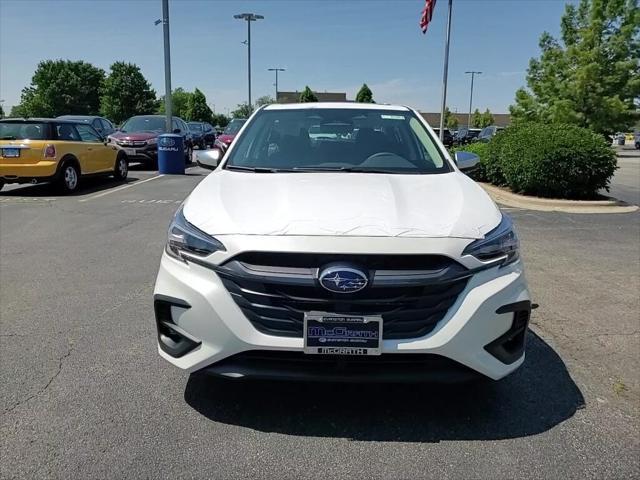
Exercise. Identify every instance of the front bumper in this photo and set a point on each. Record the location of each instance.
(201, 308)
(141, 153)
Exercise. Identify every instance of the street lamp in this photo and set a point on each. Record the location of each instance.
(276, 69)
(249, 17)
(473, 74)
(167, 64)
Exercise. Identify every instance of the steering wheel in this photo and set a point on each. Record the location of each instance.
(380, 154)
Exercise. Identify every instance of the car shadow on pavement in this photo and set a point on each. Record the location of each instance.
(87, 186)
(539, 396)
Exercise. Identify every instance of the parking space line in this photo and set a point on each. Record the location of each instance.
(123, 187)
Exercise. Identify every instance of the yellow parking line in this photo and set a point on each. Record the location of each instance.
(102, 194)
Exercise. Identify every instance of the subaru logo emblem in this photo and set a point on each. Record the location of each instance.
(343, 279)
(167, 142)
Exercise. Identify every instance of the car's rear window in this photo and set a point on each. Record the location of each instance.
(348, 139)
(23, 131)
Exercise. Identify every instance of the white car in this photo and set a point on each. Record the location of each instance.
(367, 256)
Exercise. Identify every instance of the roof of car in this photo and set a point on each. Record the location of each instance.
(41, 120)
(340, 105)
(78, 117)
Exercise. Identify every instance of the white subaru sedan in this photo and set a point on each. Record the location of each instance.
(341, 242)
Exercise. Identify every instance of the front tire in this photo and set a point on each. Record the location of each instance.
(121, 169)
(69, 178)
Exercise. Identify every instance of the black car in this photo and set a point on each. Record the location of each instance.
(466, 135)
(488, 133)
(101, 125)
(447, 138)
(204, 135)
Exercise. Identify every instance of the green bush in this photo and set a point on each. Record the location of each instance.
(551, 160)
(480, 149)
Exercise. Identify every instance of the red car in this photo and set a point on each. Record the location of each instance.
(224, 140)
(138, 137)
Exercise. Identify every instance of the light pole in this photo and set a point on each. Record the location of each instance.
(276, 69)
(445, 70)
(167, 64)
(473, 74)
(249, 17)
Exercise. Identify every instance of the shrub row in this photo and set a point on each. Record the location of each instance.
(547, 160)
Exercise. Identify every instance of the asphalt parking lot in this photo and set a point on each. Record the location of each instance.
(85, 395)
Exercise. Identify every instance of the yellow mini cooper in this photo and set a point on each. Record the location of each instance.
(38, 150)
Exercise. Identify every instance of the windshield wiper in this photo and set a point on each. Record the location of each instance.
(257, 169)
(345, 169)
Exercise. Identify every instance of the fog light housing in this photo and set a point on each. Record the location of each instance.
(509, 346)
(172, 339)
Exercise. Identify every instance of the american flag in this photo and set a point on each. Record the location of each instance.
(427, 14)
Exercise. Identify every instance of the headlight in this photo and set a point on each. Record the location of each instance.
(501, 244)
(152, 141)
(185, 241)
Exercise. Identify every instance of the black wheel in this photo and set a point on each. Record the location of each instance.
(69, 178)
(121, 168)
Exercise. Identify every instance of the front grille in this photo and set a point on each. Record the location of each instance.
(131, 143)
(412, 293)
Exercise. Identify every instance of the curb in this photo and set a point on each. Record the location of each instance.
(510, 199)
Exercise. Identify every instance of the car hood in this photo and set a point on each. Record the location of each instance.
(146, 135)
(341, 204)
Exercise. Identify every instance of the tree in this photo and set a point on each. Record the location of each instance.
(364, 95)
(197, 108)
(591, 77)
(481, 120)
(264, 100)
(450, 120)
(126, 93)
(61, 87)
(243, 111)
(220, 120)
(179, 103)
(307, 96)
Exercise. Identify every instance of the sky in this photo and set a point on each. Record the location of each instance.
(330, 45)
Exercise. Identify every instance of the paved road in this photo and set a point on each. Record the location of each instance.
(84, 394)
(625, 184)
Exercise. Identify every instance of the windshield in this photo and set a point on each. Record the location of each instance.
(318, 139)
(195, 127)
(23, 131)
(234, 126)
(139, 124)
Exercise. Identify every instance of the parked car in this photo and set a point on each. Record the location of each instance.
(138, 137)
(223, 141)
(36, 150)
(366, 257)
(466, 135)
(636, 140)
(488, 133)
(206, 134)
(100, 124)
(447, 138)
(197, 134)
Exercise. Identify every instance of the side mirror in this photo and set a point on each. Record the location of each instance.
(467, 161)
(209, 159)
(176, 130)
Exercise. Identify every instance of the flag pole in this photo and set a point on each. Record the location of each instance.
(446, 71)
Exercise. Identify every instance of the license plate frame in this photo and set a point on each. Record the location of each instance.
(130, 152)
(11, 152)
(342, 334)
